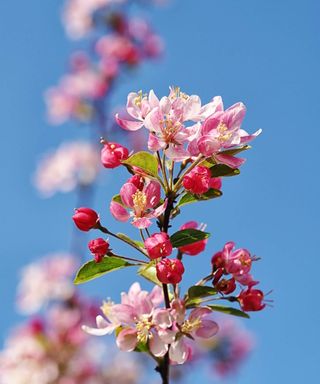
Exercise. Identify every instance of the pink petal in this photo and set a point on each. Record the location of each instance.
(245, 138)
(199, 312)
(119, 212)
(167, 335)
(123, 313)
(208, 145)
(152, 191)
(162, 318)
(234, 115)
(231, 161)
(129, 125)
(127, 340)
(126, 193)
(208, 329)
(103, 327)
(179, 351)
(157, 347)
(141, 222)
(153, 143)
(153, 99)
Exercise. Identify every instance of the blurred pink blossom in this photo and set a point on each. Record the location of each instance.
(72, 164)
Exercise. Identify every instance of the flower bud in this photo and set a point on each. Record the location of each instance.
(251, 300)
(158, 245)
(112, 154)
(215, 183)
(170, 271)
(226, 286)
(197, 180)
(85, 218)
(98, 247)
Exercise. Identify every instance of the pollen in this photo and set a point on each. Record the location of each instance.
(106, 307)
(138, 99)
(191, 325)
(224, 135)
(143, 327)
(139, 201)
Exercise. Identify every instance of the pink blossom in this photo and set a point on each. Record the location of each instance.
(222, 130)
(71, 165)
(170, 271)
(197, 180)
(143, 204)
(197, 247)
(198, 325)
(45, 281)
(158, 245)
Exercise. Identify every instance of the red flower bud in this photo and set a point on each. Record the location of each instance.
(251, 300)
(112, 154)
(226, 286)
(215, 183)
(98, 247)
(158, 245)
(170, 271)
(197, 180)
(85, 218)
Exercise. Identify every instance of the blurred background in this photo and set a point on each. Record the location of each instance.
(264, 53)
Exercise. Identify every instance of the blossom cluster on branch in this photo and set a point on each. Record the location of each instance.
(191, 148)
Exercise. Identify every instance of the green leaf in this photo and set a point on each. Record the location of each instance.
(126, 238)
(145, 161)
(235, 151)
(141, 347)
(149, 273)
(91, 270)
(187, 236)
(117, 199)
(197, 293)
(229, 311)
(201, 291)
(220, 170)
(189, 198)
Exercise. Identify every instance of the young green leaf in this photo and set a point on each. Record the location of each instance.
(117, 199)
(229, 311)
(189, 198)
(149, 273)
(187, 236)
(201, 291)
(91, 270)
(145, 161)
(220, 170)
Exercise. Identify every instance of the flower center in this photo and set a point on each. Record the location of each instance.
(106, 307)
(143, 327)
(138, 99)
(169, 129)
(191, 325)
(139, 202)
(224, 135)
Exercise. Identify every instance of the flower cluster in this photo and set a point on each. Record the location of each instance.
(72, 164)
(120, 43)
(236, 264)
(191, 148)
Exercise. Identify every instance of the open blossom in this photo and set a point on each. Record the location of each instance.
(170, 271)
(140, 319)
(45, 281)
(222, 130)
(158, 245)
(197, 247)
(198, 325)
(72, 164)
(143, 204)
(112, 154)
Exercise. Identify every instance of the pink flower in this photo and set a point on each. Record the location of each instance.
(170, 271)
(197, 180)
(194, 248)
(198, 325)
(143, 204)
(215, 183)
(158, 245)
(226, 286)
(138, 107)
(85, 218)
(112, 154)
(98, 247)
(222, 130)
(239, 262)
(251, 300)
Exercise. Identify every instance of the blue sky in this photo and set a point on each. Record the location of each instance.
(264, 53)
